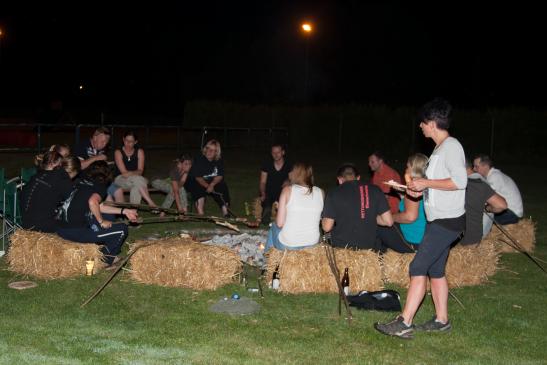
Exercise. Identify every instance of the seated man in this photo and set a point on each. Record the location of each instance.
(382, 172)
(477, 194)
(93, 149)
(504, 186)
(273, 174)
(353, 210)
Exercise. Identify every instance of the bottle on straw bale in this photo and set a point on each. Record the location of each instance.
(345, 281)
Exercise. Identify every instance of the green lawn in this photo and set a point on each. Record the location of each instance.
(129, 323)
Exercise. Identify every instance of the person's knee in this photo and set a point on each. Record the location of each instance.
(418, 267)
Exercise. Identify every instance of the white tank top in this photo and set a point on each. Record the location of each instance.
(301, 226)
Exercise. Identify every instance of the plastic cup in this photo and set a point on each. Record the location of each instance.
(89, 265)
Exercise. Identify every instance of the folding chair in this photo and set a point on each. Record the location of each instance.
(11, 212)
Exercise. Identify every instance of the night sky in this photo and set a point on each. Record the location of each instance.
(162, 54)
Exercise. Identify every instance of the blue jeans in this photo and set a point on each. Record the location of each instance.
(273, 240)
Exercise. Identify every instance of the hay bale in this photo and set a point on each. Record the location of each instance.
(524, 232)
(182, 262)
(48, 256)
(471, 265)
(307, 271)
(395, 267)
(466, 266)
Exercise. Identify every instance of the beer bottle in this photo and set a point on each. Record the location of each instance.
(275, 278)
(345, 281)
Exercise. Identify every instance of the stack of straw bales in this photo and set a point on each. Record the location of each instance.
(48, 256)
(524, 232)
(466, 266)
(182, 262)
(307, 270)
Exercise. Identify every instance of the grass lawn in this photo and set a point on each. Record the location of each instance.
(129, 323)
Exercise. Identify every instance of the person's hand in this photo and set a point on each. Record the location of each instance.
(100, 157)
(210, 188)
(417, 184)
(131, 214)
(182, 210)
(414, 194)
(105, 224)
(262, 197)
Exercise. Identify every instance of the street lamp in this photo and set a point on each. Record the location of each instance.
(307, 28)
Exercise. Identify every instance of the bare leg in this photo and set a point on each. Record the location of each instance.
(118, 196)
(439, 292)
(146, 196)
(200, 205)
(414, 298)
(224, 210)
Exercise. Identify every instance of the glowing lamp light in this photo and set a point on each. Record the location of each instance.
(306, 27)
(81, 87)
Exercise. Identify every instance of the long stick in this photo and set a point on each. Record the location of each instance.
(116, 271)
(515, 244)
(331, 259)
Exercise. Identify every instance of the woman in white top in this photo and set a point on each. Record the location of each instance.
(444, 202)
(299, 213)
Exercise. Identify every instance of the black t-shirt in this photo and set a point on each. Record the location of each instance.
(206, 169)
(476, 195)
(40, 198)
(276, 178)
(131, 163)
(354, 206)
(77, 206)
(85, 150)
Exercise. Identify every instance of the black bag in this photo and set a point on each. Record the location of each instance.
(383, 300)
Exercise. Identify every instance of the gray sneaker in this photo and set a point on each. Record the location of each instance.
(434, 326)
(397, 328)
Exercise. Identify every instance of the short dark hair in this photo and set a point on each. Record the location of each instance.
(468, 163)
(100, 172)
(184, 157)
(379, 155)
(437, 110)
(278, 144)
(347, 169)
(102, 130)
(485, 159)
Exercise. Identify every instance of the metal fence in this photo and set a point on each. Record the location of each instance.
(36, 137)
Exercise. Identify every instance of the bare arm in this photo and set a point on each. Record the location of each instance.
(175, 186)
(202, 182)
(85, 163)
(131, 214)
(327, 224)
(439, 184)
(140, 167)
(385, 219)
(118, 159)
(496, 204)
(262, 185)
(282, 210)
(410, 214)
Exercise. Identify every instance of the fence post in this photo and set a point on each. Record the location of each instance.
(39, 132)
(77, 135)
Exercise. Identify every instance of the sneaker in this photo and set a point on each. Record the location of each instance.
(397, 328)
(434, 326)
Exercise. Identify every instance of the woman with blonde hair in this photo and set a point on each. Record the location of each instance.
(207, 178)
(300, 207)
(409, 228)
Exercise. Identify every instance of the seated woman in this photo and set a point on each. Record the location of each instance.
(129, 169)
(82, 217)
(300, 207)
(174, 184)
(207, 178)
(409, 228)
(46, 190)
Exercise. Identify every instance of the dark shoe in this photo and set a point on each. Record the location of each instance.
(434, 326)
(397, 328)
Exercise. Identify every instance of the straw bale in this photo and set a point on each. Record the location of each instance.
(524, 232)
(466, 266)
(48, 256)
(307, 271)
(182, 262)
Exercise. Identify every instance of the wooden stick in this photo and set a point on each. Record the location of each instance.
(331, 259)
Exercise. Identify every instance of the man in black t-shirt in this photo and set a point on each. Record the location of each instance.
(93, 149)
(353, 210)
(478, 193)
(273, 174)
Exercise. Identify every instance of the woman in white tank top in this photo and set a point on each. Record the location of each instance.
(299, 213)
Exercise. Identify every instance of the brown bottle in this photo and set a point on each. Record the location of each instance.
(275, 278)
(345, 281)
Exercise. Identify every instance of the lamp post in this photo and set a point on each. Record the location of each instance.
(307, 28)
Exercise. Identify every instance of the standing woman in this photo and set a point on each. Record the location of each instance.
(129, 169)
(207, 178)
(444, 201)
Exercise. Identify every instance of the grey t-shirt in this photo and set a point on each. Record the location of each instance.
(446, 161)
